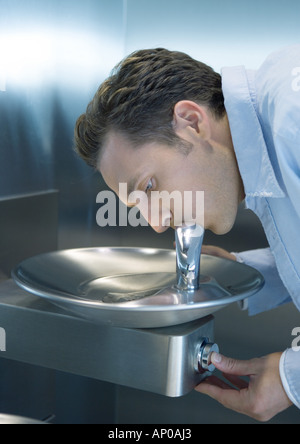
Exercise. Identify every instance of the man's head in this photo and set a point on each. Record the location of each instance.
(160, 117)
(139, 97)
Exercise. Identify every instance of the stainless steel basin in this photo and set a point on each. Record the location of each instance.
(135, 288)
(18, 420)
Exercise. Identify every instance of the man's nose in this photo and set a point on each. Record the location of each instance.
(159, 219)
(160, 228)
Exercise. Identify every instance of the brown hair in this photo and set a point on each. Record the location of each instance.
(139, 97)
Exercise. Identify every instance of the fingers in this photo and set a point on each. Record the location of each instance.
(212, 381)
(224, 394)
(233, 397)
(212, 250)
(232, 366)
(215, 381)
(261, 399)
(236, 381)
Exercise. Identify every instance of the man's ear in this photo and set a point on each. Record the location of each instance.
(190, 120)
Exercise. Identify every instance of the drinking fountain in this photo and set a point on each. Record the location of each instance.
(141, 317)
(189, 240)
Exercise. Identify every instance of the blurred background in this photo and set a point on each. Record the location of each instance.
(53, 56)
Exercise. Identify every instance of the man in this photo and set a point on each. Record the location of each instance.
(163, 121)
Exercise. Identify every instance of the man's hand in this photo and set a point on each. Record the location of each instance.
(261, 397)
(212, 250)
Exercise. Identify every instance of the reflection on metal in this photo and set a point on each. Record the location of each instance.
(35, 57)
(28, 226)
(160, 360)
(53, 56)
(13, 419)
(134, 287)
(59, 43)
(189, 241)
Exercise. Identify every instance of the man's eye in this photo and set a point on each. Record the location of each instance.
(149, 186)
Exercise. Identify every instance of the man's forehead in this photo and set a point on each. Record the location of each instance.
(111, 149)
(114, 143)
(116, 160)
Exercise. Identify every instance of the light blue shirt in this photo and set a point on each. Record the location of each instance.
(263, 108)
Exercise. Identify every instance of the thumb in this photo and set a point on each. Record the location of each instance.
(233, 366)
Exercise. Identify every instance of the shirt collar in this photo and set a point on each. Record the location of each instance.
(251, 151)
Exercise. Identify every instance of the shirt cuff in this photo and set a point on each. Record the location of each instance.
(289, 368)
(273, 292)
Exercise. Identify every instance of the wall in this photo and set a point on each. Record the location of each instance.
(53, 55)
(219, 33)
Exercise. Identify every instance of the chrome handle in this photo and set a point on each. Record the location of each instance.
(203, 356)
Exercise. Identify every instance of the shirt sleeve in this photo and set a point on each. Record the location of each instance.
(273, 294)
(289, 372)
(280, 108)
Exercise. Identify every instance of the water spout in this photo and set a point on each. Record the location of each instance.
(189, 239)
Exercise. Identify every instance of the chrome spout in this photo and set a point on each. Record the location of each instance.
(189, 239)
